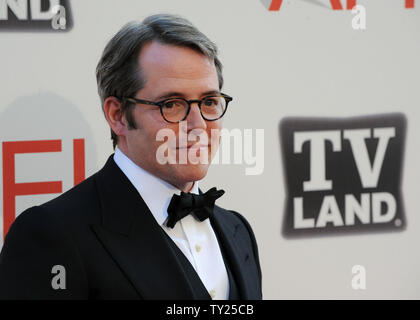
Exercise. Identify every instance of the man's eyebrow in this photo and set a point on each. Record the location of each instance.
(169, 95)
(211, 92)
(179, 94)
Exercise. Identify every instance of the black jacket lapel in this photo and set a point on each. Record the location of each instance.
(233, 234)
(136, 242)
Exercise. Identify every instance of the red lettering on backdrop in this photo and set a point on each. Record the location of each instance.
(11, 189)
(336, 5)
(351, 4)
(78, 160)
(409, 4)
(275, 5)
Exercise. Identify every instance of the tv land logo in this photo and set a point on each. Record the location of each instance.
(343, 175)
(35, 15)
(275, 5)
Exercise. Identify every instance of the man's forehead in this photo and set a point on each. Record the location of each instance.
(172, 61)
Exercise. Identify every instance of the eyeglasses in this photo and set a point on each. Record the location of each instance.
(174, 110)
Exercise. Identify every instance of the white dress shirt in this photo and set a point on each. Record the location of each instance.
(195, 239)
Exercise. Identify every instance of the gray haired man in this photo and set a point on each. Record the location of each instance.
(141, 228)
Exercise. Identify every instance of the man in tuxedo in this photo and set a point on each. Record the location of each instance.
(140, 228)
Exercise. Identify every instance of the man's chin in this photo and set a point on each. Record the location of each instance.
(185, 173)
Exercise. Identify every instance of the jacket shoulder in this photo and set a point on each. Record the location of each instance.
(233, 217)
(80, 203)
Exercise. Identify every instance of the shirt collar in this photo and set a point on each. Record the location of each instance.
(156, 193)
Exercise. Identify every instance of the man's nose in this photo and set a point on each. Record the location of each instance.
(194, 118)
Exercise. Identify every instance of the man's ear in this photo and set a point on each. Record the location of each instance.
(114, 116)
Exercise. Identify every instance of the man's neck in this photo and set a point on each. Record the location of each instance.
(185, 187)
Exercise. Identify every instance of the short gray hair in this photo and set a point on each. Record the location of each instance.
(118, 72)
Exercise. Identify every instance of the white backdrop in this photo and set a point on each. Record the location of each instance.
(304, 60)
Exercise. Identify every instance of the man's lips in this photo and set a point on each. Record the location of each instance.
(194, 146)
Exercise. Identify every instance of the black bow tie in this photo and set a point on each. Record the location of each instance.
(201, 205)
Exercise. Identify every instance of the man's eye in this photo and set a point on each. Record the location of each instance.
(169, 104)
(210, 102)
(174, 104)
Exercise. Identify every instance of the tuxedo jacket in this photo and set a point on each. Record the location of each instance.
(110, 247)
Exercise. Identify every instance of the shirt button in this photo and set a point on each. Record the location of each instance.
(197, 248)
(213, 294)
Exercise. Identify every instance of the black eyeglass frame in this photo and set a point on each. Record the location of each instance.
(161, 104)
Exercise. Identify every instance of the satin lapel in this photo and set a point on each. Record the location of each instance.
(135, 241)
(238, 254)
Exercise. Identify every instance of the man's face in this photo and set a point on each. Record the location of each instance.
(172, 72)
